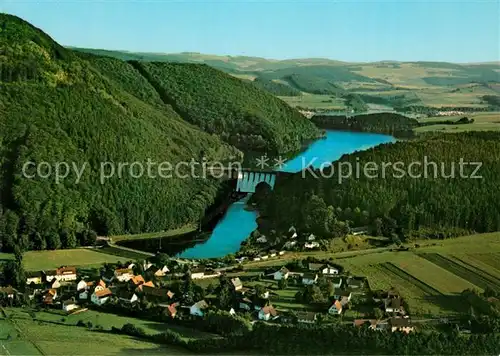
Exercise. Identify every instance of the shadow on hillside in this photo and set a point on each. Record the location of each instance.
(182, 330)
(453, 303)
(161, 350)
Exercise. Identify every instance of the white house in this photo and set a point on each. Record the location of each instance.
(312, 244)
(81, 285)
(289, 244)
(328, 270)
(127, 297)
(123, 274)
(198, 308)
(69, 305)
(309, 278)
(268, 313)
(282, 273)
(65, 274)
(336, 308)
(159, 271)
(281, 253)
(272, 253)
(262, 240)
(236, 282)
(101, 297)
(256, 258)
(34, 277)
(394, 305)
(311, 237)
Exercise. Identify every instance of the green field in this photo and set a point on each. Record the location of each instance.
(170, 233)
(35, 338)
(432, 287)
(42, 260)
(484, 121)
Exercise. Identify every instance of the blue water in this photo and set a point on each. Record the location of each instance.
(238, 223)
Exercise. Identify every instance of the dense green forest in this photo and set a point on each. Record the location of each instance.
(60, 106)
(394, 124)
(276, 88)
(432, 203)
(218, 103)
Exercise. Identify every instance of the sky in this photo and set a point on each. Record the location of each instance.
(348, 30)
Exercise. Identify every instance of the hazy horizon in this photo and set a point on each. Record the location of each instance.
(367, 31)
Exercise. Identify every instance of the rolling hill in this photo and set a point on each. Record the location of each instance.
(93, 112)
(325, 83)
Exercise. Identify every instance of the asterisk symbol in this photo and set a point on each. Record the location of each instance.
(280, 162)
(262, 162)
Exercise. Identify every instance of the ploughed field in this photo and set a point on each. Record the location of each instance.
(431, 279)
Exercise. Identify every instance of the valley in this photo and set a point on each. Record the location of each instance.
(349, 207)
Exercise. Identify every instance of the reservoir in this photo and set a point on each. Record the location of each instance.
(238, 223)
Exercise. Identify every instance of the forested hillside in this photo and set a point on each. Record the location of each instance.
(237, 111)
(394, 124)
(431, 204)
(57, 107)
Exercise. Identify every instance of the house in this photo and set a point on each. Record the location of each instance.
(355, 283)
(268, 313)
(127, 296)
(309, 278)
(232, 312)
(50, 275)
(336, 308)
(81, 285)
(158, 271)
(99, 297)
(337, 282)
(236, 282)
(34, 277)
(202, 273)
(123, 274)
(264, 257)
(363, 230)
(394, 305)
(146, 265)
(327, 270)
(401, 324)
(157, 295)
(198, 308)
(8, 291)
(137, 280)
(340, 293)
(273, 253)
(49, 296)
(289, 244)
(281, 253)
(306, 317)
(100, 285)
(54, 284)
(282, 273)
(262, 240)
(66, 274)
(256, 258)
(69, 305)
(82, 288)
(311, 237)
(171, 310)
(245, 304)
(310, 245)
(140, 287)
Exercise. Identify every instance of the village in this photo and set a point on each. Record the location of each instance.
(299, 292)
